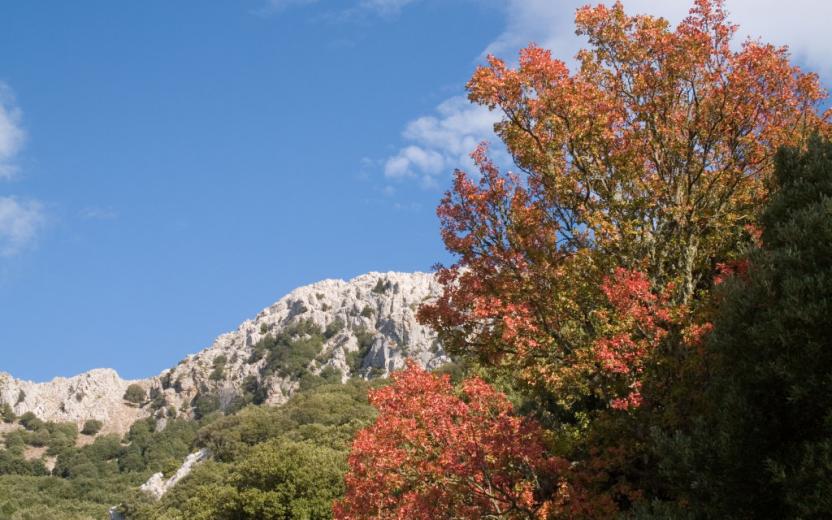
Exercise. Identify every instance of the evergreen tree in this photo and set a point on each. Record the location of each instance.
(764, 450)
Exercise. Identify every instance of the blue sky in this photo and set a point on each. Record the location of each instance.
(167, 169)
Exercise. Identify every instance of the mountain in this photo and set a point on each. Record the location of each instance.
(331, 330)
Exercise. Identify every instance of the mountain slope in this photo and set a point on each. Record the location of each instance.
(333, 329)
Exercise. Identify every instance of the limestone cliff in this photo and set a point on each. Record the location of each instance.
(364, 327)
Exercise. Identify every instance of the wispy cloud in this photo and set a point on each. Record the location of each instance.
(385, 7)
(12, 135)
(440, 142)
(274, 6)
(19, 223)
(98, 213)
(20, 220)
(357, 10)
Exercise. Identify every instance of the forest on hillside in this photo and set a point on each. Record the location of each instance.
(639, 314)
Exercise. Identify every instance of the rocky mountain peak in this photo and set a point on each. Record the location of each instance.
(330, 330)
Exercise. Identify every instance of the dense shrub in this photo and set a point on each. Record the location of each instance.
(54, 498)
(276, 480)
(30, 421)
(218, 372)
(135, 394)
(14, 464)
(6, 413)
(92, 426)
(204, 404)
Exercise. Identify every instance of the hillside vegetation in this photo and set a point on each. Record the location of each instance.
(268, 463)
(640, 323)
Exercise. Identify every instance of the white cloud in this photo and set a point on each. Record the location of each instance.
(800, 24)
(19, 220)
(11, 133)
(441, 142)
(436, 144)
(19, 223)
(549, 24)
(803, 25)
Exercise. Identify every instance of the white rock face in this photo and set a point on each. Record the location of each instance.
(378, 308)
(157, 486)
(96, 394)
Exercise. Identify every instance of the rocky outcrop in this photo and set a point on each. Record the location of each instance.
(156, 486)
(367, 327)
(96, 394)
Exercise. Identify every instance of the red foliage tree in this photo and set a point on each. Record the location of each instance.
(641, 173)
(653, 156)
(435, 452)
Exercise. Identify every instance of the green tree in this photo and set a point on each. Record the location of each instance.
(279, 479)
(764, 447)
(92, 427)
(30, 421)
(135, 394)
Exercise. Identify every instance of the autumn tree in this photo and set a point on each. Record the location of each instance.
(435, 452)
(653, 157)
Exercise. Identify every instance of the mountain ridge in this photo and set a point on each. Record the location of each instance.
(362, 327)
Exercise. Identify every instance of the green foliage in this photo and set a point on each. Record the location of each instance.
(329, 375)
(280, 479)
(285, 462)
(763, 449)
(253, 390)
(30, 421)
(289, 353)
(91, 427)
(143, 451)
(365, 342)
(56, 436)
(334, 327)
(333, 407)
(54, 498)
(157, 399)
(14, 464)
(204, 404)
(381, 286)
(15, 441)
(135, 394)
(219, 368)
(97, 460)
(367, 312)
(6, 413)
